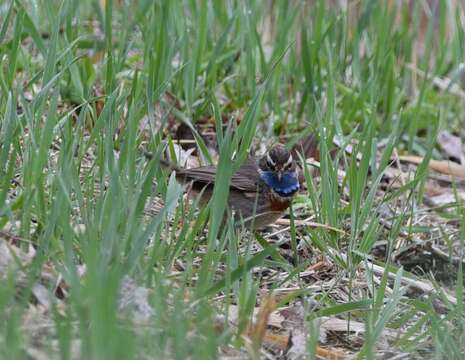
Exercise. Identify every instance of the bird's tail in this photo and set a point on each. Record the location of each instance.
(307, 147)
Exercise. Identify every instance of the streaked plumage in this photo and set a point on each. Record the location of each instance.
(260, 191)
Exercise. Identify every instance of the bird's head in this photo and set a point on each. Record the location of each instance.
(278, 170)
(278, 160)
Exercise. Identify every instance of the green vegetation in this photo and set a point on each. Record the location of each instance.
(113, 262)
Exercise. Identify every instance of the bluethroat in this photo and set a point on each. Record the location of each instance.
(260, 191)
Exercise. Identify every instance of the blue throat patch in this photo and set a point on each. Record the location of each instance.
(287, 186)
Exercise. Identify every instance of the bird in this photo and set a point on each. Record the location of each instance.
(260, 191)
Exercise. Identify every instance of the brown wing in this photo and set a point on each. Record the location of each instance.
(203, 174)
(246, 178)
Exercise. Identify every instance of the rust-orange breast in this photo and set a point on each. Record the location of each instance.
(278, 204)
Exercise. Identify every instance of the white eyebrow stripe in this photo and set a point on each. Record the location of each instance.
(289, 161)
(270, 160)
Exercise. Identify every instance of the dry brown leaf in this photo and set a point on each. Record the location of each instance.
(99, 93)
(290, 323)
(96, 57)
(330, 354)
(444, 199)
(341, 325)
(432, 188)
(277, 341)
(442, 166)
(258, 330)
(452, 145)
(318, 266)
(294, 322)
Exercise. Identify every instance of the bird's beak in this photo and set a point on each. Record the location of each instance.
(280, 175)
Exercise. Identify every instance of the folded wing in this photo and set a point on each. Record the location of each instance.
(246, 178)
